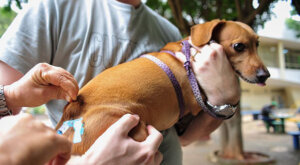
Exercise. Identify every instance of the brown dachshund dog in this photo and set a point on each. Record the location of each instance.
(141, 87)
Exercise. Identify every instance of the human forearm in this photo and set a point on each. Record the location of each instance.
(8, 76)
(201, 126)
(222, 96)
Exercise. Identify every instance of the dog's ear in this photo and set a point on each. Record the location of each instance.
(201, 34)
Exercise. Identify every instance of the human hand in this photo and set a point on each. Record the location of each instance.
(116, 147)
(39, 85)
(215, 74)
(25, 140)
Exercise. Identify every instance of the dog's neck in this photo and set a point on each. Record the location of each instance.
(194, 51)
(176, 50)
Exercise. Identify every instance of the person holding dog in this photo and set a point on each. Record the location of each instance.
(106, 33)
(38, 144)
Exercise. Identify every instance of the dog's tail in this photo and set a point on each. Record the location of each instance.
(71, 110)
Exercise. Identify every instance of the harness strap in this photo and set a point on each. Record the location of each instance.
(193, 82)
(172, 78)
(169, 52)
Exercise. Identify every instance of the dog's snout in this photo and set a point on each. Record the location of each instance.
(262, 75)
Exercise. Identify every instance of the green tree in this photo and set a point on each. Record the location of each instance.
(293, 24)
(186, 13)
(6, 17)
(17, 2)
(7, 14)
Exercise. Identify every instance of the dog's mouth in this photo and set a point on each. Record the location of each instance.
(249, 81)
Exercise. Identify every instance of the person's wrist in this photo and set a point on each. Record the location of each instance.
(4, 110)
(218, 98)
(12, 101)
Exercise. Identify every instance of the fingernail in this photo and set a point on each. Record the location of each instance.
(136, 116)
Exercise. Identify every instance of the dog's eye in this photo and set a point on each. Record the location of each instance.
(239, 47)
(257, 44)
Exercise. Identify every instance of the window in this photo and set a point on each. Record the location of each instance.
(269, 55)
(292, 58)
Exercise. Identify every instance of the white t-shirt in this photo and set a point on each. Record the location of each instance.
(82, 36)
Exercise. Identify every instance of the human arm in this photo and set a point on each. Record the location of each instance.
(199, 128)
(216, 76)
(8, 76)
(27, 41)
(116, 147)
(25, 140)
(218, 80)
(39, 85)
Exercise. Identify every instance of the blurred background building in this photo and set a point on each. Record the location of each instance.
(280, 51)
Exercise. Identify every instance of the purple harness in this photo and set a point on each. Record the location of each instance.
(193, 82)
(173, 79)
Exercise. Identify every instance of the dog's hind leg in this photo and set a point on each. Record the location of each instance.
(96, 121)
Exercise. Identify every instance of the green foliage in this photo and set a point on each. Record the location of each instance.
(7, 14)
(198, 11)
(162, 8)
(208, 10)
(294, 25)
(36, 110)
(262, 18)
(17, 2)
(6, 17)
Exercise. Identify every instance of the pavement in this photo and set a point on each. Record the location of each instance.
(255, 138)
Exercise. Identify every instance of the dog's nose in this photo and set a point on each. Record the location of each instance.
(262, 75)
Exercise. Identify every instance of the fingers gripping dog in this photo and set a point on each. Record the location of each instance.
(147, 87)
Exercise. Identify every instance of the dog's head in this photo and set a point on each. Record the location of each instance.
(240, 44)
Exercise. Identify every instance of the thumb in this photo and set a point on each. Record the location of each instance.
(125, 124)
(56, 92)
